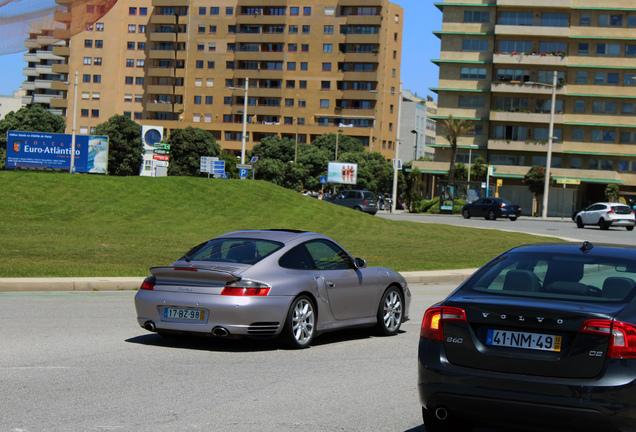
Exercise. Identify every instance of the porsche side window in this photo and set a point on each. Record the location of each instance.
(297, 259)
(328, 256)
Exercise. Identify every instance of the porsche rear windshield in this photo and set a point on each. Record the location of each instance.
(558, 276)
(234, 250)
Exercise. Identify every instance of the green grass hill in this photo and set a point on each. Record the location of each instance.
(61, 225)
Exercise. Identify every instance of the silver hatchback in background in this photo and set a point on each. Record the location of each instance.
(606, 215)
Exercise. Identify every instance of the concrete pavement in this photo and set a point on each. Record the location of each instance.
(133, 283)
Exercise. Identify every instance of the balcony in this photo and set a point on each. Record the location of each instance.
(366, 20)
(534, 31)
(536, 3)
(29, 71)
(156, 54)
(526, 88)
(44, 69)
(59, 103)
(161, 72)
(266, 110)
(31, 58)
(362, 38)
(62, 51)
(27, 100)
(60, 68)
(525, 117)
(158, 107)
(28, 85)
(525, 146)
(170, 3)
(260, 19)
(162, 19)
(45, 98)
(530, 59)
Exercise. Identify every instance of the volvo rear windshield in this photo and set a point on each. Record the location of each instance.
(557, 276)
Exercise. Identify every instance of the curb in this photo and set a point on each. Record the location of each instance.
(133, 283)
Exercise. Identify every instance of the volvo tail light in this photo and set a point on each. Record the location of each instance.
(435, 317)
(622, 336)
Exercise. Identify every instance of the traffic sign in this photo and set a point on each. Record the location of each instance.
(243, 166)
(323, 179)
(161, 157)
(254, 159)
(163, 146)
(225, 176)
(569, 181)
(243, 173)
(161, 151)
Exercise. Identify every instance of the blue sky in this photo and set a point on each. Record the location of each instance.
(419, 46)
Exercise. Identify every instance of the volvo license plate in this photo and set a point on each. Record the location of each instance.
(514, 339)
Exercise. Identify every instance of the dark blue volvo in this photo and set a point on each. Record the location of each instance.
(543, 337)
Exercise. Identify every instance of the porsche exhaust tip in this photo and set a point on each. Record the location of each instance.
(150, 326)
(220, 332)
(441, 413)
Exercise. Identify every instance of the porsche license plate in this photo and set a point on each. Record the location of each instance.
(513, 339)
(187, 314)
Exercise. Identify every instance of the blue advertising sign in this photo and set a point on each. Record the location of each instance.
(51, 150)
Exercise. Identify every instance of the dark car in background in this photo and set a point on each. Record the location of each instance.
(492, 208)
(543, 337)
(360, 200)
(606, 215)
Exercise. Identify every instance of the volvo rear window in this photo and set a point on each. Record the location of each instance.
(621, 209)
(558, 276)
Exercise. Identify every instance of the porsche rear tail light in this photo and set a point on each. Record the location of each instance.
(435, 317)
(246, 288)
(622, 336)
(148, 283)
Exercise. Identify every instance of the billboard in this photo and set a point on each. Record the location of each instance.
(51, 150)
(345, 173)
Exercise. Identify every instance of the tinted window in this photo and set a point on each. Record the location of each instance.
(241, 250)
(351, 194)
(369, 195)
(622, 209)
(558, 276)
(328, 256)
(297, 259)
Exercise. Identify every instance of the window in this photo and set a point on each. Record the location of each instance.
(629, 79)
(577, 135)
(306, 29)
(476, 16)
(202, 10)
(291, 65)
(304, 66)
(579, 106)
(229, 10)
(84, 112)
(302, 84)
(142, 28)
(201, 29)
(512, 46)
(601, 164)
(581, 77)
(86, 95)
(128, 80)
(229, 82)
(584, 49)
(324, 103)
(631, 21)
(325, 85)
(130, 62)
(88, 60)
(292, 47)
(128, 97)
(554, 20)
(99, 43)
(130, 45)
(139, 98)
(88, 43)
(307, 11)
(294, 10)
(327, 48)
(141, 46)
(473, 73)
(553, 47)
(199, 64)
(603, 136)
(97, 61)
(227, 100)
(628, 108)
(143, 11)
(132, 28)
(197, 100)
(326, 67)
(86, 78)
(293, 29)
(472, 101)
(474, 45)
(209, 82)
(585, 20)
(610, 20)
(229, 65)
(304, 47)
(140, 63)
(210, 65)
(214, 11)
(95, 113)
(139, 80)
(608, 49)
(289, 102)
(328, 29)
(302, 103)
(132, 11)
(516, 19)
(99, 27)
(200, 47)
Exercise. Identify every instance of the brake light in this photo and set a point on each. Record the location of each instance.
(185, 269)
(246, 289)
(435, 317)
(148, 283)
(622, 336)
(611, 210)
(364, 201)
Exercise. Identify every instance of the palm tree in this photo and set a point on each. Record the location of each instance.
(455, 128)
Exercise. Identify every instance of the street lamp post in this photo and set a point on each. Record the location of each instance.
(414, 132)
(243, 136)
(470, 158)
(296, 145)
(546, 187)
(337, 136)
(72, 165)
(397, 144)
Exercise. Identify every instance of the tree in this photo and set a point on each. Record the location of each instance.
(454, 128)
(186, 148)
(611, 192)
(31, 119)
(461, 172)
(535, 180)
(479, 170)
(125, 148)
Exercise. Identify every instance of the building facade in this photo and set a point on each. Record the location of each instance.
(497, 64)
(302, 69)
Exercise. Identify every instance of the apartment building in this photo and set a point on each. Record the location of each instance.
(302, 69)
(497, 64)
(417, 129)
